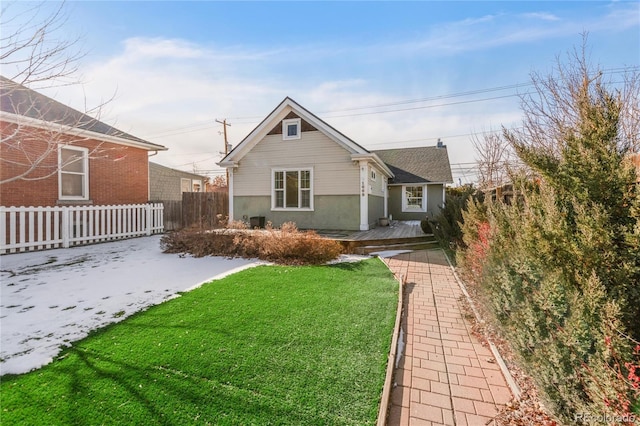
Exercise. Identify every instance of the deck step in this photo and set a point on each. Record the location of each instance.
(423, 245)
(410, 243)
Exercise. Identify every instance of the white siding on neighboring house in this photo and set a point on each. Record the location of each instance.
(334, 173)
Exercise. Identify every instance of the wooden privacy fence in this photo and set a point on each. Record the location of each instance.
(37, 228)
(200, 209)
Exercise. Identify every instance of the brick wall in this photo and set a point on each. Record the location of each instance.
(117, 174)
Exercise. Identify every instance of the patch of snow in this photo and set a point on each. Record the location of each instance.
(389, 253)
(52, 298)
(348, 258)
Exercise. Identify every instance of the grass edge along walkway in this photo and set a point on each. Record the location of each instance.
(268, 345)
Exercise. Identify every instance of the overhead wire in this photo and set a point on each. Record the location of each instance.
(327, 114)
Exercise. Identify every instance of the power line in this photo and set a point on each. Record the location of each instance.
(179, 130)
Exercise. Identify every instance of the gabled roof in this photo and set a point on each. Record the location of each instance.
(20, 102)
(417, 165)
(278, 114)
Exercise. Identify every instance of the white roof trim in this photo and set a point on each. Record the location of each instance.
(374, 159)
(277, 115)
(21, 120)
(418, 183)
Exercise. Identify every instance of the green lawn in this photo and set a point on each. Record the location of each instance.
(269, 345)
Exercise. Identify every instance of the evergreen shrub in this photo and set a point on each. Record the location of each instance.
(559, 268)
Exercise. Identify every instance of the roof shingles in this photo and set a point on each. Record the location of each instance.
(20, 100)
(417, 165)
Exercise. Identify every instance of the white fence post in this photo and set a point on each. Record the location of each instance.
(149, 222)
(66, 227)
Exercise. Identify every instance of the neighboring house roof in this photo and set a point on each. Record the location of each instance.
(282, 111)
(155, 167)
(18, 101)
(417, 165)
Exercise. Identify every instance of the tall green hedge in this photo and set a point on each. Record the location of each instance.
(560, 266)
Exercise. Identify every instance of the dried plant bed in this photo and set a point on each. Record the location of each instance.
(286, 245)
(268, 345)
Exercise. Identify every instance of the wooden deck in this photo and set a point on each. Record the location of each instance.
(396, 230)
(397, 236)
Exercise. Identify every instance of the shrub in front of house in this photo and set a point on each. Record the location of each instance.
(286, 245)
(560, 267)
(425, 225)
(446, 225)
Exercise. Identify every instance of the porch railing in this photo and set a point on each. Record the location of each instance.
(37, 228)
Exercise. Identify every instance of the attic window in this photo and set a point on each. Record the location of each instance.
(291, 129)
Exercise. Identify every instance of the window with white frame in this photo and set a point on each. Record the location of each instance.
(291, 128)
(185, 185)
(190, 185)
(292, 189)
(73, 173)
(414, 199)
(373, 174)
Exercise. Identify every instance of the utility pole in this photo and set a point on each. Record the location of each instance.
(226, 143)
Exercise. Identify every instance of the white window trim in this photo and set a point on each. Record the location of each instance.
(195, 182)
(85, 175)
(373, 175)
(405, 204)
(188, 184)
(273, 189)
(286, 123)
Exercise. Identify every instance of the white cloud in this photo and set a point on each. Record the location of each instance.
(176, 104)
(171, 91)
(141, 49)
(505, 29)
(544, 16)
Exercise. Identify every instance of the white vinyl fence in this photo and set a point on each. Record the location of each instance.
(37, 228)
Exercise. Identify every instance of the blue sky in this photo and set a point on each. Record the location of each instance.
(386, 74)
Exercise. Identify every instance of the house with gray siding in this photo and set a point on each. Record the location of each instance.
(295, 167)
(167, 184)
(420, 176)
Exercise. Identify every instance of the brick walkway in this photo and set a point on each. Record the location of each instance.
(445, 375)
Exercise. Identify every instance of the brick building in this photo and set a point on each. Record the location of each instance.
(51, 154)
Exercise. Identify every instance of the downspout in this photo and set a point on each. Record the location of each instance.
(230, 191)
(149, 175)
(385, 188)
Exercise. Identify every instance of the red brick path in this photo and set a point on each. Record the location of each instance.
(445, 375)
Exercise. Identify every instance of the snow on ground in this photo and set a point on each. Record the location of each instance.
(51, 298)
(389, 253)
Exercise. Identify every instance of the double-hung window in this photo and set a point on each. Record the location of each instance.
(414, 199)
(73, 173)
(292, 189)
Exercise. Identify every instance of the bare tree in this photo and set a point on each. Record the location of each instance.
(494, 157)
(31, 48)
(33, 52)
(33, 127)
(552, 109)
